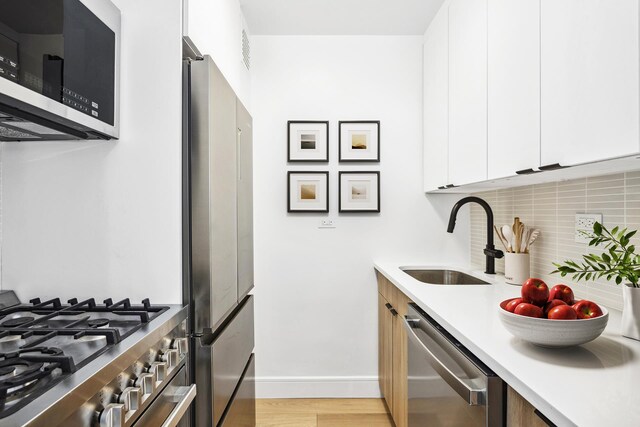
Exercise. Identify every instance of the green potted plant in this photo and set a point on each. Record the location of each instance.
(618, 262)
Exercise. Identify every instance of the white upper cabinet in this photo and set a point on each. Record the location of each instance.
(589, 80)
(529, 84)
(436, 102)
(467, 91)
(513, 86)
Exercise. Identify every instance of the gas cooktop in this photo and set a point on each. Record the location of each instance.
(43, 342)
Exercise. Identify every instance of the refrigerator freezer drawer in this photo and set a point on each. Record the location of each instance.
(242, 411)
(224, 362)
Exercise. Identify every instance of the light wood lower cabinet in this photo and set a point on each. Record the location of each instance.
(385, 356)
(392, 349)
(400, 364)
(392, 362)
(521, 413)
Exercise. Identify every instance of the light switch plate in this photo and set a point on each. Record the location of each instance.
(584, 222)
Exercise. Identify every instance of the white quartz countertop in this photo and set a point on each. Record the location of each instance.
(595, 384)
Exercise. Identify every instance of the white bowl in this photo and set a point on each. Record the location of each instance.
(553, 333)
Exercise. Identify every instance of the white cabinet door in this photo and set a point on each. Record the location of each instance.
(467, 91)
(436, 102)
(513, 86)
(589, 80)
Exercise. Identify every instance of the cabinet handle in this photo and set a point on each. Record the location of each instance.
(450, 185)
(546, 420)
(526, 171)
(389, 306)
(393, 311)
(551, 167)
(442, 187)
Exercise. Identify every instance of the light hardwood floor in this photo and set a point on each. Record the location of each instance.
(322, 413)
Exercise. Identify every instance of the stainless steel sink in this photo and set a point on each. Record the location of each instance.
(443, 277)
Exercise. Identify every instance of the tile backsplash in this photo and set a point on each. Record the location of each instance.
(551, 208)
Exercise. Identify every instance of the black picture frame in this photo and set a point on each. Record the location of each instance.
(290, 209)
(340, 207)
(326, 142)
(368, 122)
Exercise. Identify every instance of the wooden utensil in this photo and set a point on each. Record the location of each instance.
(517, 233)
(501, 237)
(525, 239)
(532, 237)
(508, 235)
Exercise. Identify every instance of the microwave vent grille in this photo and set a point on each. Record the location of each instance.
(6, 132)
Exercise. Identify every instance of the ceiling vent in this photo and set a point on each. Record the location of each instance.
(246, 50)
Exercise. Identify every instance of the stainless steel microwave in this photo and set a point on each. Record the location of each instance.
(59, 69)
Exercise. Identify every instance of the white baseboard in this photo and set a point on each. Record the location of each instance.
(317, 387)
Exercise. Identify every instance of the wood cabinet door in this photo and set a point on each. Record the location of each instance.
(513, 73)
(589, 80)
(467, 91)
(400, 362)
(436, 102)
(520, 413)
(385, 350)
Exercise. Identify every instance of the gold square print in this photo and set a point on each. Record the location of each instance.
(307, 192)
(358, 141)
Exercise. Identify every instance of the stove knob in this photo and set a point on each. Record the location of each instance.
(172, 358)
(112, 415)
(159, 369)
(146, 382)
(131, 398)
(181, 345)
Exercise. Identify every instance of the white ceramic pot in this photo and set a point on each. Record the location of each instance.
(631, 312)
(516, 268)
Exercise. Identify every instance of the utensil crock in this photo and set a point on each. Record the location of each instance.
(516, 268)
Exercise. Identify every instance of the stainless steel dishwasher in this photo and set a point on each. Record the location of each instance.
(447, 384)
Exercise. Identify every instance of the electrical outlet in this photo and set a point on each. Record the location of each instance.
(584, 222)
(327, 223)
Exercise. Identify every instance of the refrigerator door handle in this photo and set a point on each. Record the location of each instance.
(186, 396)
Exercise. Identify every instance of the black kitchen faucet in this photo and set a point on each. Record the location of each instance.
(490, 251)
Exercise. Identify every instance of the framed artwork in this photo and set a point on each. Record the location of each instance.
(307, 141)
(308, 192)
(359, 191)
(359, 141)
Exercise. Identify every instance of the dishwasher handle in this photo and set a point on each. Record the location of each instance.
(472, 395)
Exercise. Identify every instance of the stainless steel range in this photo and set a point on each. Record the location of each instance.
(81, 363)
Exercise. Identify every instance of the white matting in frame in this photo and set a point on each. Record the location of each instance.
(359, 191)
(307, 141)
(308, 192)
(359, 141)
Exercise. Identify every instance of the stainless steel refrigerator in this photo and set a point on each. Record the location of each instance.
(218, 246)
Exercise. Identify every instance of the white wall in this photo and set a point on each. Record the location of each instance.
(316, 295)
(103, 219)
(215, 26)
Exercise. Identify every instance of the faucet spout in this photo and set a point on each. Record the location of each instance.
(490, 251)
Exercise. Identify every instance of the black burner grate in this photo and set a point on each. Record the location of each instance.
(39, 362)
(30, 370)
